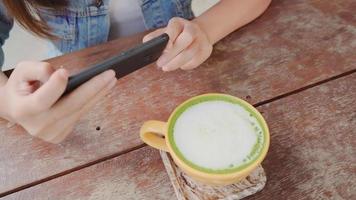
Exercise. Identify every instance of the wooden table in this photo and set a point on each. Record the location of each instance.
(296, 64)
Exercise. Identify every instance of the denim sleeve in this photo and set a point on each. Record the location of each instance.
(157, 13)
(6, 23)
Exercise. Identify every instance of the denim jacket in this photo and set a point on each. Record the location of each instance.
(85, 23)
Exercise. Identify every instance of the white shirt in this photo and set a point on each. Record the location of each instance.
(125, 18)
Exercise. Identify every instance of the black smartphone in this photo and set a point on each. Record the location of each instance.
(124, 63)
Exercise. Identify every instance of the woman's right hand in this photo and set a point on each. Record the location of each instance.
(31, 98)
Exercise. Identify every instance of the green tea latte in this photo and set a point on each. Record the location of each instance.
(217, 135)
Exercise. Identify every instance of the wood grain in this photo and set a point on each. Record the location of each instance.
(135, 175)
(313, 144)
(313, 140)
(294, 44)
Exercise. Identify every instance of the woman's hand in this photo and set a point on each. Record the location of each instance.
(30, 97)
(187, 48)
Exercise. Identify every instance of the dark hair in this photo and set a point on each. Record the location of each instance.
(25, 12)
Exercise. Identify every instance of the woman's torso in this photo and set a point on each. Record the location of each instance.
(86, 23)
(125, 18)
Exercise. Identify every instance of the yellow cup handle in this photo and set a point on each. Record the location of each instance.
(153, 132)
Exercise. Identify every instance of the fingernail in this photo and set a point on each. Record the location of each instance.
(161, 61)
(145, 39)
(63, 72)
(112, 83)
(109, 74)
(165, 69)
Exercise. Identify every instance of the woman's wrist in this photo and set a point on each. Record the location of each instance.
(205, 31)
(229, 15)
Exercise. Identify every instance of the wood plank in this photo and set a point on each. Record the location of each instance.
(313, 140)
(114, 179)
(294, 44)
(313, 144)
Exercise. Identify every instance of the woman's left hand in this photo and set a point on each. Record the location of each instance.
(187, 48)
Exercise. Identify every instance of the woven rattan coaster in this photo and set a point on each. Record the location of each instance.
(188, 189)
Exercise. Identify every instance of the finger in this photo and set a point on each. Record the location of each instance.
(27, 88)
(73, 118)
(60, 137)
(84, 93)
(153, 34)
(199, 59)
(174, 28)
(182, 58)
(201, 55)
(45, 96)
(50, 135)
(182, 42)
(32, 71)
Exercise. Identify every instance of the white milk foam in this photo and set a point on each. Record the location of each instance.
(217, 135)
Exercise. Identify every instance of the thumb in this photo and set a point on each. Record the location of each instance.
(51, 90)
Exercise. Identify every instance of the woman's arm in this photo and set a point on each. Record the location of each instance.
(191, 42)
(229, 15)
